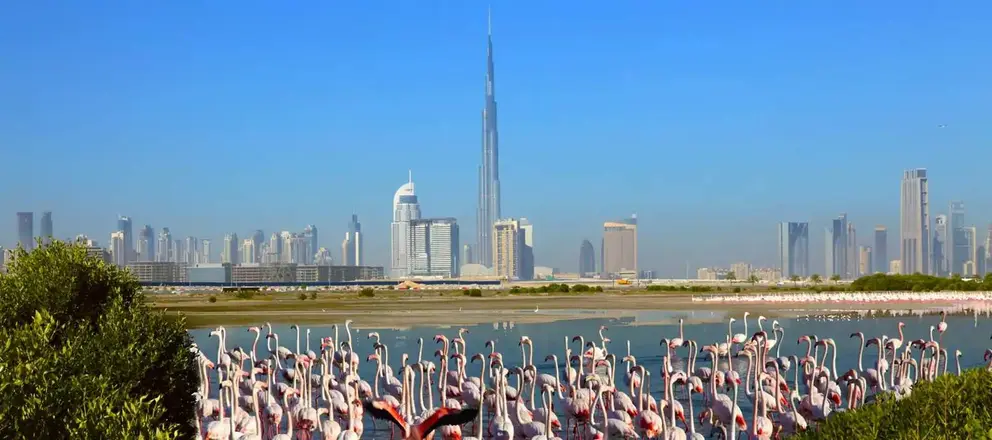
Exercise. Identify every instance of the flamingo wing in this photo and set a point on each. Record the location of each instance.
(382, 410)
(445, 417)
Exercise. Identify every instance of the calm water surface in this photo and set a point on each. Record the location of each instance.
(644, 330)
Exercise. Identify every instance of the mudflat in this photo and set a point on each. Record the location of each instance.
(407, 309)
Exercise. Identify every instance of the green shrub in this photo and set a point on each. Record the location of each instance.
(84, 357)
(212, 298)
(515, 290)
(737, 290)
(313, 295)
(952, 407)
(581, 288)
(244, 294)
(475, 293)
(599, 288)
(302, 296)
(367, 292)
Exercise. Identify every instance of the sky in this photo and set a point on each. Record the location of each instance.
(711, 121)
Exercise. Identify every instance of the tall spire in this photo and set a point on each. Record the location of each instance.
(489, 194)
(489, 16)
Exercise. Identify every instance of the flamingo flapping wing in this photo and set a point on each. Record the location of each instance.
(443, 416)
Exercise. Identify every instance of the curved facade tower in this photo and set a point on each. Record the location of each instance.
(489, 199)
(405, 208)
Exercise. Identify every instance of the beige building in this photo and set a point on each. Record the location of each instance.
(619, 248)
(895, 267)
(155, 271)
(971, 266)
(768, 274)
(508, 243)
(864, 261)
(742, 271)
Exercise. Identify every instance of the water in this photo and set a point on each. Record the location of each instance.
(644, 330)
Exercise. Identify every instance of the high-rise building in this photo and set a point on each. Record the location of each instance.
(853, 257)
(191, 251)
(322, 258)
(619, 247)
(508, 243)
(118, 248)
(248, 252)
(176, 250)
(489, 193)
(25, 230)
(355, 228)
(971, 266)
(836, 247)
(433, 247)
(258, 237)
(939, 247)
(124, 225)
(229, 253)
(587, 259)
(405, 208)
(467, 256)
(793, 249)
(914, 222)
(163, 249)
(310, 233)
(205, 251)
(527, 252)
(275, 249)
(146, 244)
(880, 250)
(46, 227)
(298, 249)
(864, 261)
(742, 271)
(958, 249)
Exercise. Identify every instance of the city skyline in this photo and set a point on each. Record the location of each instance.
(564, 102)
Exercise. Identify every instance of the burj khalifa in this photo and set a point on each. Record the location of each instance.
(489, 201)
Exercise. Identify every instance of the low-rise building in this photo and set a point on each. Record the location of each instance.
(155, 271)
(263, 273)
(209, 273)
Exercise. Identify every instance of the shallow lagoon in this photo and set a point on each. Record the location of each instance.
(968, 332)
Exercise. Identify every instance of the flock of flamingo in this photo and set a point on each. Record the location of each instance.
(294, 392)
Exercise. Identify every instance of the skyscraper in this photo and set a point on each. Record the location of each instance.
(248, 252)
(258, 237)
(880, 251)
(351, 247)
(124, 225)
(864, 261)
(508, 242)
(958, 248)
(118, 250)
(793, 249)
(163, 251)
(275, 249)
(25, 230)
(146, 244)
(587, 259)
(527, 251)
(310, 233)
(620, 247)
(205, 251)
(229, 253)
(433, 247)
(46, 227)
(836, 247)
(467, 257)
(939, 246)
(191, 251)
(853, 257)
(405, 208)
(914, 222)
(489, 196)
(971, 266)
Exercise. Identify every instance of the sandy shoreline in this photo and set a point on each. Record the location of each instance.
(395, 311)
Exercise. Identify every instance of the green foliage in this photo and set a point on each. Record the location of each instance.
(475, 293)
(82, 357)
(581, 288)
(302, 296)
(952, 407)
(313, 295)
(212, 299)
(244, 294)
(835, 278)
(598, 289)
(367, 292)
(731, 276)
(753, 279)
(815, 278)
(918, 283)
(737, 290)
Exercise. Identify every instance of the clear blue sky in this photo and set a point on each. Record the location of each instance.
(712, 121)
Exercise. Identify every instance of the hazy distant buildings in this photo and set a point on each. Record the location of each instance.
(587, 259)
(914, 222)
(25, 230)
(527, 252)
(229, 253)
(971, 266)
(939, 247)
(467, 254)
(836, 247)
(124, 225)
(880, 250)
(146, 244)
(351, 247)
(205, 251)
(742, 271)
(163, 247)
(864, 261)
(405, 208)
(433, 247)
(895, 267)
(793, 249)
(507, 247)
(190, 251)
(118, 248)
(489, 191)
(310, 245)
(46, 227)
(959, 247)
(248, 251)
(853, 257)
(619, 249)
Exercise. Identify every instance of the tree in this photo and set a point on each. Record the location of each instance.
(815, 278)
(731, 276)
(101, 363)
(753, 279)
(794, 279)
(835, 278)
